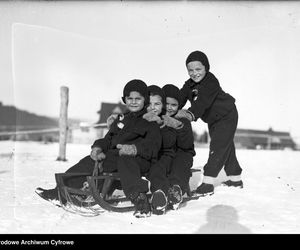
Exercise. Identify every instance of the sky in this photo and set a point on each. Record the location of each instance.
(94, 48)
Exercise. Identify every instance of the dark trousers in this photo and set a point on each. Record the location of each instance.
(158, 175)
(222, 149)
(181, 170)
(131, 169)
(164, 176)
(85, 165)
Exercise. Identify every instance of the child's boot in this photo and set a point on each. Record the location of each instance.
(175, 196)
(142, 206)
(230, 183)
(159, 202)
(205, 189)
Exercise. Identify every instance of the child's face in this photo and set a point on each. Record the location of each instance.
(155, 104)
(135, 101)
(196, 70)
(172, 106)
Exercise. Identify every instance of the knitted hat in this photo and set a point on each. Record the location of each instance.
(172, 91)
(138, 86)
(198, 56)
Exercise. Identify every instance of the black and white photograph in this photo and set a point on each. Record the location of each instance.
(149, 117)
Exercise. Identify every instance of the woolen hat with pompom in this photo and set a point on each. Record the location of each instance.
(198, 56)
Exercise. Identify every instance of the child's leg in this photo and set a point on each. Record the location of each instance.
(232, 167)
(85, 165)
(180, 170)
(158, 177)
(222, 134)
(130, 169)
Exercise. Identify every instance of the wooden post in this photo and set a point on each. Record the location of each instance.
(63, 123)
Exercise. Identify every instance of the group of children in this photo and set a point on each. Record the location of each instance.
(154, 139)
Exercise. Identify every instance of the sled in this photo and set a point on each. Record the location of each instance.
(95, 199)
(93, 195)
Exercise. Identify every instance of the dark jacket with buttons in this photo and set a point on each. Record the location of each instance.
(133, 129)
(208, 101)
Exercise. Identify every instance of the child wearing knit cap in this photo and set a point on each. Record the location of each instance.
(169, 175)
(159, 168)
(179, 173)
(128, 147)
(216, 108)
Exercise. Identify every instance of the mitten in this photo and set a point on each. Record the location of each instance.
(152, 117)
(97, 154)
(110, 120)
(172, 122)
(184, 113)
(126, 149)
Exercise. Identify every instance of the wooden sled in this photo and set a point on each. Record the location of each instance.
(95, 195)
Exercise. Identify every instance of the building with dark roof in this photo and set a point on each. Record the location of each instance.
(244, 138)
(107, 109)
(259, 139)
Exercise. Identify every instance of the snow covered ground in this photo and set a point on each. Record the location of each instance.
(269, 202)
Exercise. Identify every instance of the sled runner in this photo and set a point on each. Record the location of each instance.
(55, 202)
(93, 194)
(96, 195)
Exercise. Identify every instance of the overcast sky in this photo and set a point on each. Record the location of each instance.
(95, 48)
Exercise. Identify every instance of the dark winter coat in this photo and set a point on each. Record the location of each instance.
(133, 129)
(168, 134)
(208, 101)
(159, 168)
(185, 137)
(167, 151)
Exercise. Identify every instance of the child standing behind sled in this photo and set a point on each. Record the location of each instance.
(216, 108)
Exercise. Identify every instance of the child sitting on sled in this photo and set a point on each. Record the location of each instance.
(159, 167)
(128, 147)
(169, 177)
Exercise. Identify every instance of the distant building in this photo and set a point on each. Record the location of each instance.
(105, 111)
(87, 134)
(84, 134)
(244, 138)
(259, 139)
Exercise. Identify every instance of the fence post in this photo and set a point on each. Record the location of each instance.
(63, 123)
